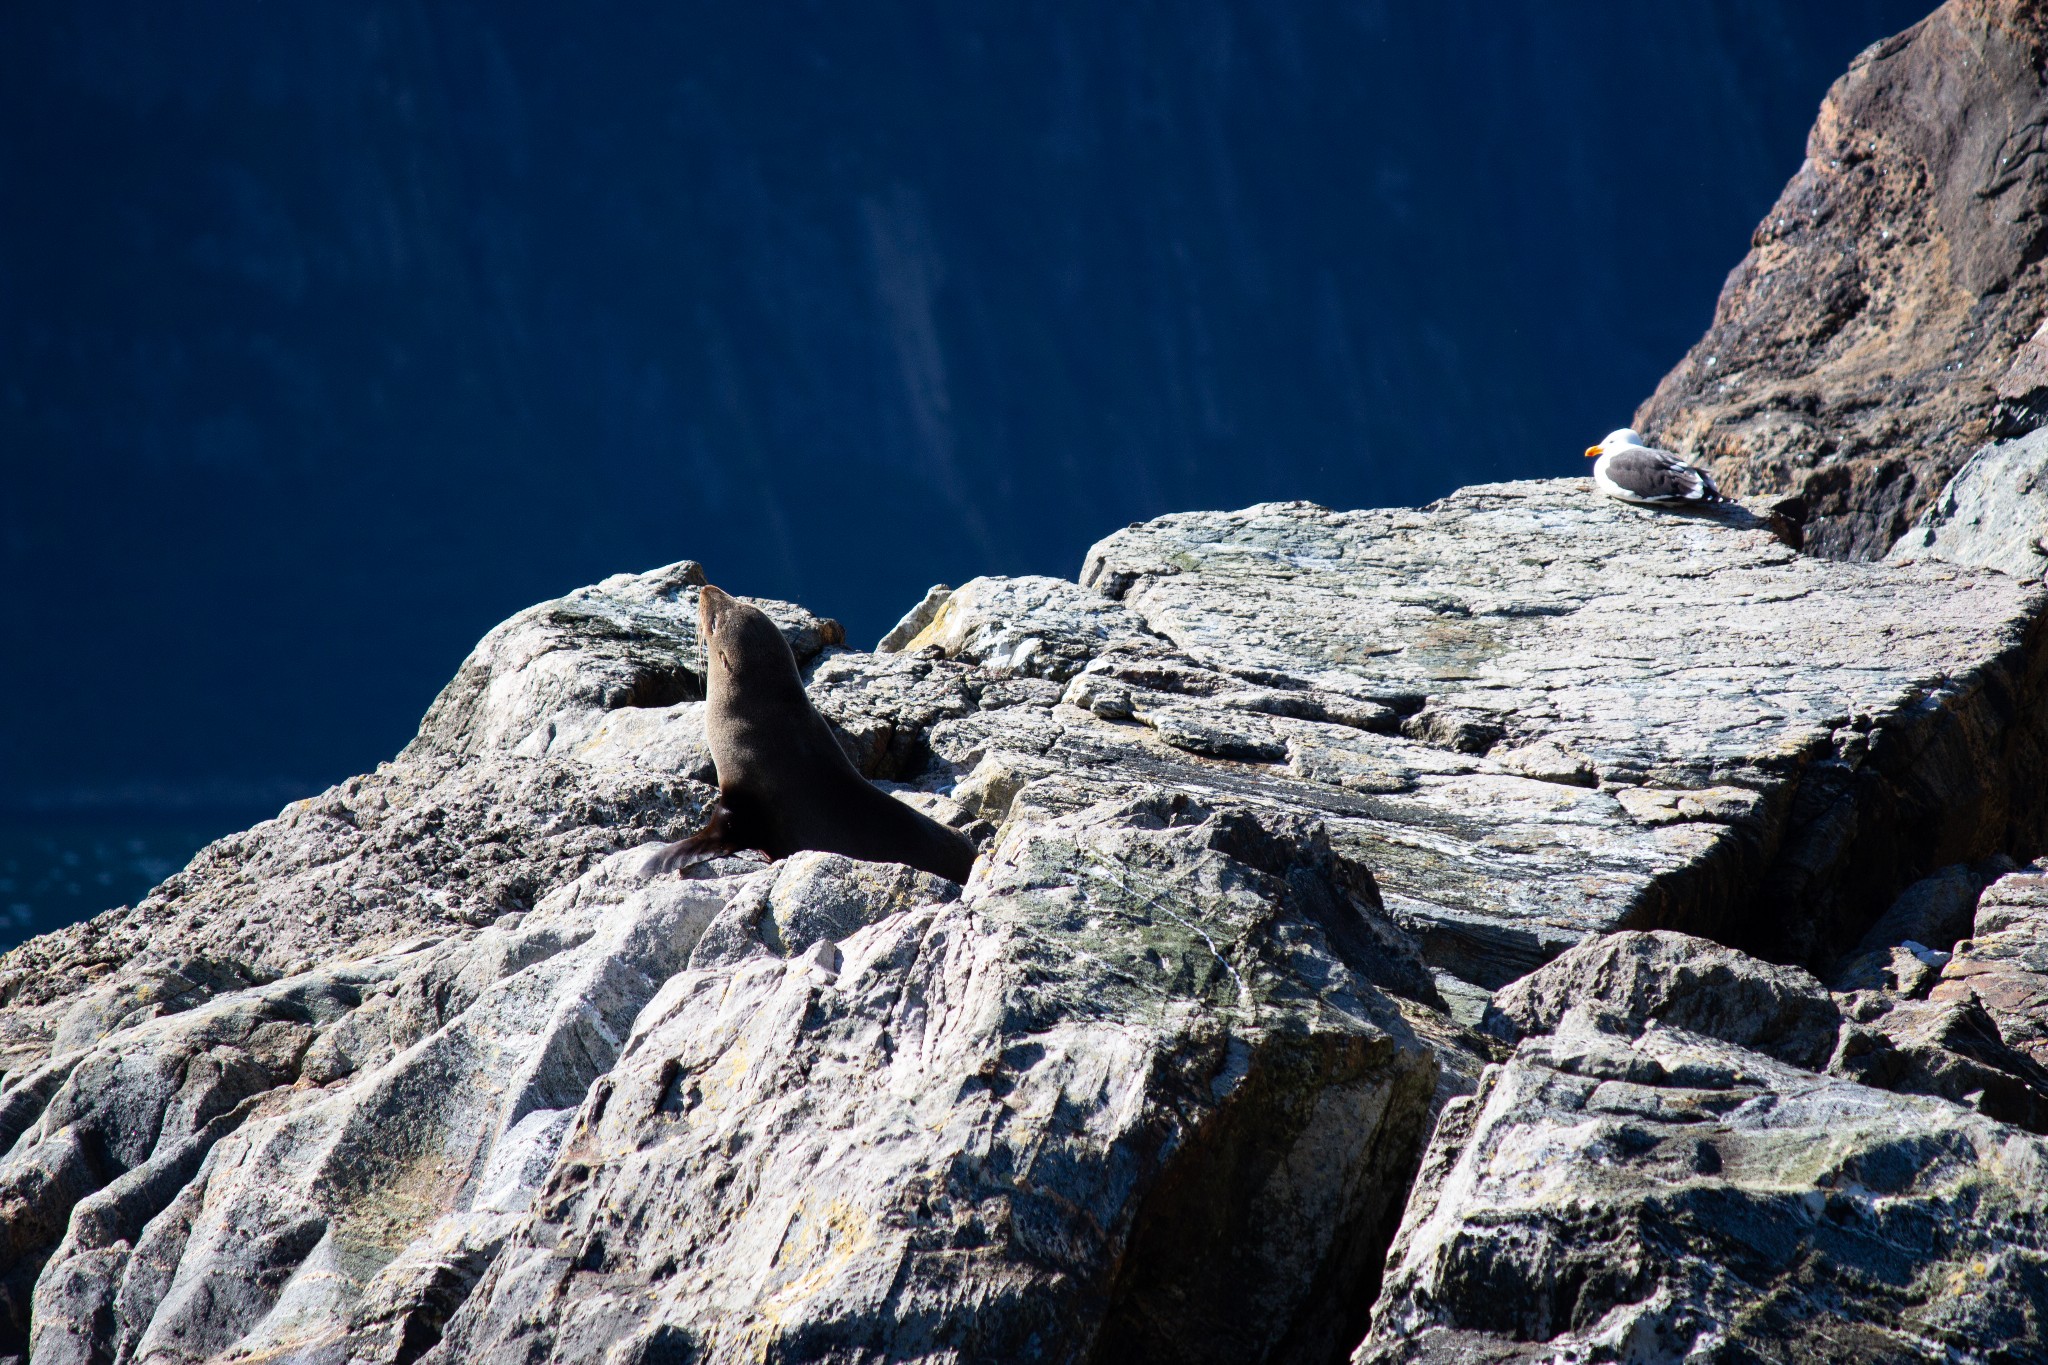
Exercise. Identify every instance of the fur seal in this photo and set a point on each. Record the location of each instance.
(784, 784)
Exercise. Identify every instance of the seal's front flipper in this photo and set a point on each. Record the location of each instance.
(715, 840)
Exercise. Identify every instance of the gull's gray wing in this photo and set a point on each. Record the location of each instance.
(1659, 476)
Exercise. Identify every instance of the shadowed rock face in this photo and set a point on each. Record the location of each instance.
(429, 1068)
(1884, 324)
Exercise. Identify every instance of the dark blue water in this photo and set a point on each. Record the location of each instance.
(330, 336)
(57, 869)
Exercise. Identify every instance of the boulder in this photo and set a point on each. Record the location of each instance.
(1675, 1197)
(915, 620)
(1884, 1037)
(2003, 966)
(1993, 514)
(1951, 1048)
(1637, 979)
(1126, 1098)
(312, 1143)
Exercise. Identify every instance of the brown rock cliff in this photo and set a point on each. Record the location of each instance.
(1879, 329)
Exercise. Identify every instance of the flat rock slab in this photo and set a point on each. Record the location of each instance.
(1639, 718)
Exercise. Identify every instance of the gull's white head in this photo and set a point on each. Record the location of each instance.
(1619, 439)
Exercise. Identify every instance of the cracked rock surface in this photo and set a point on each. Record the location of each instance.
(1278, 811)
(2003, 966)
(1682, 720)
(1993, 513)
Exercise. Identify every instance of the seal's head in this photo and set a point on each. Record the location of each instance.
(744, 650)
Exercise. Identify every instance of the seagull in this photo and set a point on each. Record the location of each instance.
(1629, 470)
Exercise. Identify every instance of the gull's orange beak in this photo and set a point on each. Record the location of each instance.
(1592, 452)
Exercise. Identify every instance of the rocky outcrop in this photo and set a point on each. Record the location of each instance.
(1662, 1195)
(1687, 1157)
(1271, 804)
(1884, 325)
(1709, 1185)
(1683, 720)
(822, 1102)
(571, 731)
(1396, 935)
(1050, 1117)
(1889, 1036)
(1677, 981)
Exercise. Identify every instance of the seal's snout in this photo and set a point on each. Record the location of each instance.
(712, 604)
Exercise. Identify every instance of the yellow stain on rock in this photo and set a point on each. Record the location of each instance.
(815, 1247)
(940, 624)
(719, 1090)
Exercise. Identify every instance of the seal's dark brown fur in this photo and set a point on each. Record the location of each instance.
(784, 784)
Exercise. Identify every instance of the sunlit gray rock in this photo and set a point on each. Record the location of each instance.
(1398, 927)
(1677, 717)
(1675, 980)
(572, 730)
(1993, 514)
(1130, 1094)
(1274, 809)
(877, 1112)
(1891, 1037)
